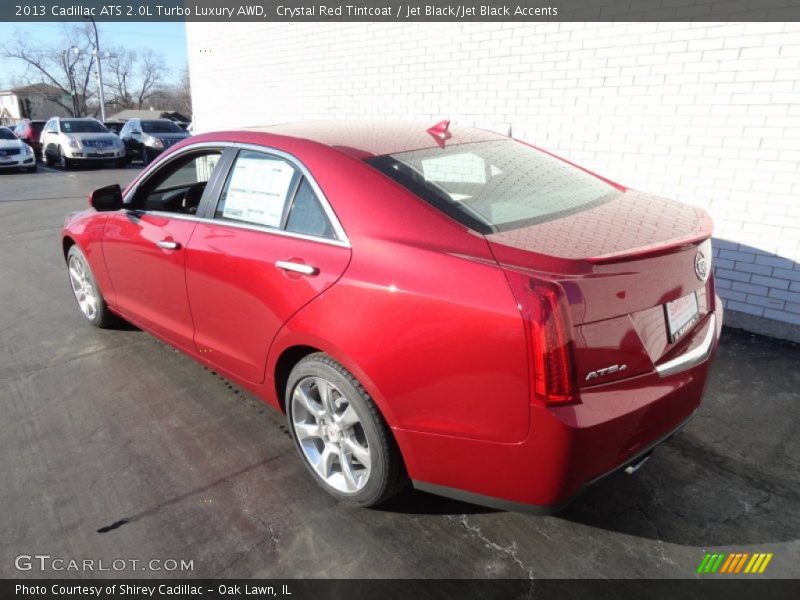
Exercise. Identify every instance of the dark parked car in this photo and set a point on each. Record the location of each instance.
(445, 306)
(114, 126)
(145, 139)
(29, 132)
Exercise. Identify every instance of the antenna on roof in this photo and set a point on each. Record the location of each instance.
(440, 131)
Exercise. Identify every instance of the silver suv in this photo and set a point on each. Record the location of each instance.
(66, 141)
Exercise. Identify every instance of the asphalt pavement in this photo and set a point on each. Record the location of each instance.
(115, 446)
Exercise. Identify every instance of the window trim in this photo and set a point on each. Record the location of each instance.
(205, 213)
(291, 192)
(341, 238)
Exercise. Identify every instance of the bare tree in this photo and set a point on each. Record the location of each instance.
(151, 72)
(119, 77)
(59, 66)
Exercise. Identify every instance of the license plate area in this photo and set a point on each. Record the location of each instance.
(681, 315)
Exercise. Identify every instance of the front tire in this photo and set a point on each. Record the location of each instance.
(84, 287)
(63, 161)
(145, 156)
(341, 435)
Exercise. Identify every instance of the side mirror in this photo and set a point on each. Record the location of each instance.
(106, 198)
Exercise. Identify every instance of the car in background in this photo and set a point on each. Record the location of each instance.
(67, 141)
(14, 153)
(445, 306)
(30, 132)
(145, 139)
(114, 126)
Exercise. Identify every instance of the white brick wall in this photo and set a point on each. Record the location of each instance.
(706, 113)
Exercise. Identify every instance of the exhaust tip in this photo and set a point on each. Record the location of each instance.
(633, 467)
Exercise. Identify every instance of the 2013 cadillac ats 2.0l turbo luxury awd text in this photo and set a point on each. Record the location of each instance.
(440, 306)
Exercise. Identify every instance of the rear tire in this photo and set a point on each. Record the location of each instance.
(84, 287)
(341, 435)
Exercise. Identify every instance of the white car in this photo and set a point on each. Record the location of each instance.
(14, 153)
(66, 141)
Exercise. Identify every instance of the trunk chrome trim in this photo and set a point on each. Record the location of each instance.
(694, 356)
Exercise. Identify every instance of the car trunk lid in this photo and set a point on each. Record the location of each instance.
(618, 264)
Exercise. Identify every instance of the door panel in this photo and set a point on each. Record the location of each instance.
(148, 278)
(240, 298)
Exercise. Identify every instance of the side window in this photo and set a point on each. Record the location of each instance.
(178, 186)
(306, 215)
(257, 189)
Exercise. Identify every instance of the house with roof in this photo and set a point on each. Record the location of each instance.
(37, 101)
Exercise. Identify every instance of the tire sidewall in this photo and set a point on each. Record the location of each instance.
(63, 161)
(100, 311)
(315, 367)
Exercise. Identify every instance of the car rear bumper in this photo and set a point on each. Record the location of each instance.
(569, 447)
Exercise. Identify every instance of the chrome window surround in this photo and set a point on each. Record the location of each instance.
(341, 237)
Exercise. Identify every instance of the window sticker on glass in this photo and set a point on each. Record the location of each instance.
(258, 189)
(463, 168)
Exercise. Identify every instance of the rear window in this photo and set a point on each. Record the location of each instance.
(496, 186)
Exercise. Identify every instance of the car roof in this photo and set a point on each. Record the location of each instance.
(364, 139)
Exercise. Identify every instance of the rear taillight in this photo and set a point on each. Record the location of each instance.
(543, 305)
(552, 356)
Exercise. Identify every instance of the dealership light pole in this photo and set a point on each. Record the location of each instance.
(96, 54)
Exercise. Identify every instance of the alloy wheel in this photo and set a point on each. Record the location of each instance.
(331, 435)
(82, 287)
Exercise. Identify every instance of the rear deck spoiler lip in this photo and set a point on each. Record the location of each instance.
(703, 232)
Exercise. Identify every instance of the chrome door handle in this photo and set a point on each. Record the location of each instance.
(167, 245)
(297, 267)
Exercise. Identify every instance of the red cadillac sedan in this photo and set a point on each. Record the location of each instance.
(440, 306)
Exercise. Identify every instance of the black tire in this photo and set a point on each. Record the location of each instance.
(103, 317)
(145, 156)
(387, 476)
(63, 161)
(48, 160)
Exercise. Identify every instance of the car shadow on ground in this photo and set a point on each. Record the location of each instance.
(730, 477)
(415, 502)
